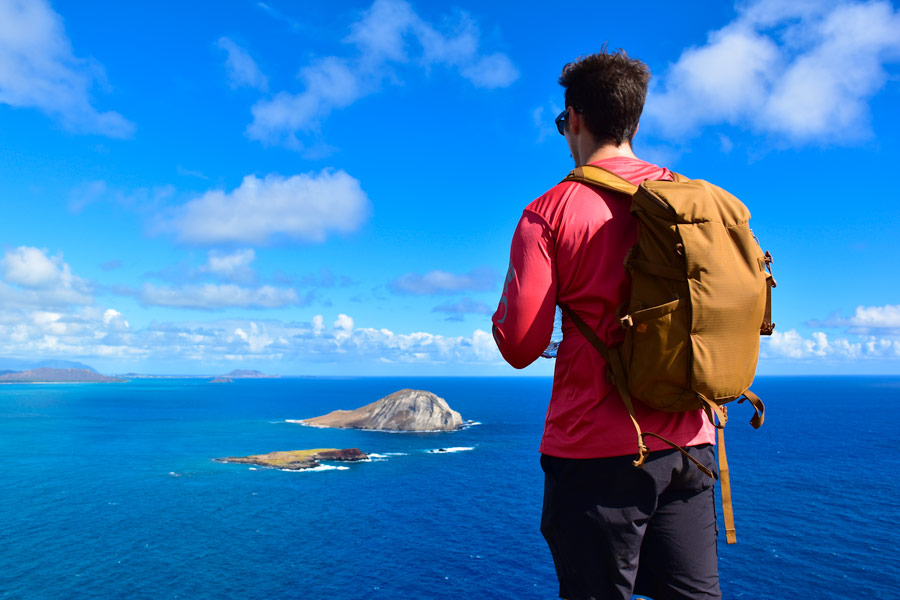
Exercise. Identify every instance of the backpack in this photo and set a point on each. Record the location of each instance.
(700, 298)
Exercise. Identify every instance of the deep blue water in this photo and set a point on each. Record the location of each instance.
(110, 491)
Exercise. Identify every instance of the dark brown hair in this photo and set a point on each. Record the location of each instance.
(610, 89)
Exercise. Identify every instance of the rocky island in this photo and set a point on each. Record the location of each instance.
(404, 410)
(297, 460)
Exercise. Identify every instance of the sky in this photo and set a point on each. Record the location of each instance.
(311, 189)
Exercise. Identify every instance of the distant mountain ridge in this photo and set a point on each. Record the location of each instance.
(247, 374)
(52, 375)
(18, 365)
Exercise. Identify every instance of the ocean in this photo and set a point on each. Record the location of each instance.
(112, 491)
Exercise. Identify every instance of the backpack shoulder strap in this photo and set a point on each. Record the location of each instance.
(594, 175)
(600, 177)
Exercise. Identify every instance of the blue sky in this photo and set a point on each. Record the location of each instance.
(302, 189)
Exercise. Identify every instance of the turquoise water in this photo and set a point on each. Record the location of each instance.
(111, 491)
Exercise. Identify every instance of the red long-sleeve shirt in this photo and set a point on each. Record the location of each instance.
(569, 247)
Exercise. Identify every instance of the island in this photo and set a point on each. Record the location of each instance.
(248, 374)
(297, 460)
(404, 410)
(53, 375)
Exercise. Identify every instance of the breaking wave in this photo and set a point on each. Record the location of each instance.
(449, 450)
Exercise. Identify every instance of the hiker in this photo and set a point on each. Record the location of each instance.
(613, 529)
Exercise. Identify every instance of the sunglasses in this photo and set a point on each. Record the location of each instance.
(563, 117)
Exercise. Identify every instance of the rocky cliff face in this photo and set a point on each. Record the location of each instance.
(405, 410)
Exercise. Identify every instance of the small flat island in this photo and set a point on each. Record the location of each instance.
(404, 410)
(297, 460)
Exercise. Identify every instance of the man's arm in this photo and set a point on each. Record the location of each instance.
(523, 323)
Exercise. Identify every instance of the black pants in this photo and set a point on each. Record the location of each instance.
(615, 529)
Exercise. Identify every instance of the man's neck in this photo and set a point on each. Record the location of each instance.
(606, 151)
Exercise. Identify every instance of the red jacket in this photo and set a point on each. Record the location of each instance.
(570, 247)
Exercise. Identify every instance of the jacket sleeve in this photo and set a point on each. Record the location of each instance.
(523, 323)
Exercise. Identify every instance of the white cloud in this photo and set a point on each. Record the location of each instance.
(442, 282)
(31, 267)
(234, 266)
(387, 36)
(493, 71)
(318, 324)
(867, 320)
(81, 332)
(877, 317)
(257, 339)
(242, 69)
(39, 280)
(792, 345)
(803, 71)
(114, 320)
(331, 83)
(343, 327)
(89, 332)
(39, 70)
(304, 207)
(210, 296)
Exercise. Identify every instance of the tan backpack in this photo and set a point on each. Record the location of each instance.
(700, 299)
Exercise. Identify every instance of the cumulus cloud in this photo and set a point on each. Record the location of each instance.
(256, 338)
(90, 332)
(792, 345)
(881, 320)
(318, 324)
(234, 266)
(84, 331)
(39, 280)
(388, 36)
(209, 296)
(39, 70)
(871, 332)
(241, 68)
(304, 208)
(804, 71)
(442, 282)
(877, 317)
(31, 267)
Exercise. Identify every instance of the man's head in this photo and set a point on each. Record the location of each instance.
(608, 90)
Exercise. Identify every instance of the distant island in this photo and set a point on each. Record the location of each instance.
(17, 365)
(404, 410)
(297, 460)
(53, 375)
(242, 374)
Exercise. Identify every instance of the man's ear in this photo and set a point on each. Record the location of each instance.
(575, 122)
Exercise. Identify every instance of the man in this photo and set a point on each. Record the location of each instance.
(613, 529)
